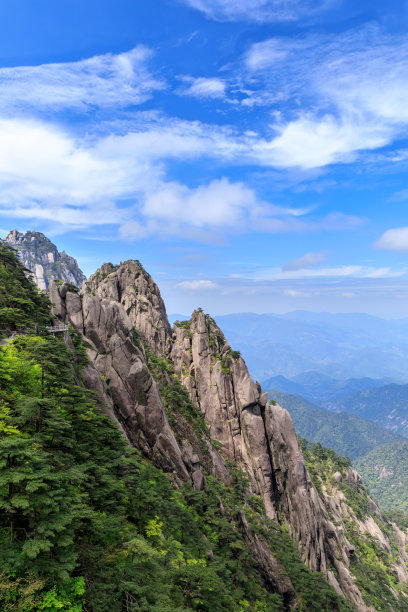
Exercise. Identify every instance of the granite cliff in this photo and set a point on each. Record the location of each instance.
(42, 258)
(138, 365)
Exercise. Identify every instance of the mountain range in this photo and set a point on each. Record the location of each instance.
(320, 389)
(348, 434)
(149, 469)
(339, 346)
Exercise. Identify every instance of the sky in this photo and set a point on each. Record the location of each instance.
(253, 154)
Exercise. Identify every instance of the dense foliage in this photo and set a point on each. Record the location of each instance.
(22, 306)
(385, 470)
(87, 524)
(347, 434)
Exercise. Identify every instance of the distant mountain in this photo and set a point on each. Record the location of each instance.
(340, 346)
(320, 389)
(387, 406)
(42, 257)
(385, 472)
(348, 435)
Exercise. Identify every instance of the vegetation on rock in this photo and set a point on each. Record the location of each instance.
(88, 523)
(372, 562)
(22, 305)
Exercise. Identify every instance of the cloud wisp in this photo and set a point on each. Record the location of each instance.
(340, 95)
(197, 285)
(202, 87)
(258, 10)
(102, 81)
(306, 261)
(343, 271)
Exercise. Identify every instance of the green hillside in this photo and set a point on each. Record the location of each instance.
(347, 434)
(385, 471)
(87, 524)
(370, 563)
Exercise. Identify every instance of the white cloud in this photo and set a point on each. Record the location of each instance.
(48, 174)
(312, 142)
(257, 10)
(342, 94)
(218, 204)
(306, 261)
(197, 285)
(102, 81)
(175, 139)
(295, 293)
(39, 161)
(45, 173)
(267, 53)
(394, 240)
(202, 87)
(209, 212)
(345, 271)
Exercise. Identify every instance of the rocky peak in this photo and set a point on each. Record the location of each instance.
(261, 439)
(131, 286)
(258, 436)
(42, 258)
(117, 365)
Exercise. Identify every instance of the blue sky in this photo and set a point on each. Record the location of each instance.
(251, 153)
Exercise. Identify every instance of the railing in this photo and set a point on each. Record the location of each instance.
(53, 329)
(57, 328)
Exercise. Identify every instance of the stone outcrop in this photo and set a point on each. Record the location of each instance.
(42, 258)
(261, 438)
(118, 301)
(134, 398)
(118, 372)
(132, 287)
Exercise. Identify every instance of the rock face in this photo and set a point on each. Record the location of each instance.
(131, 286)
(118, 372)
(118, 301)
(42, 258)
(134, 399)
(261, 438)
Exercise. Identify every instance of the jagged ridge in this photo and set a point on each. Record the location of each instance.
(258, 436)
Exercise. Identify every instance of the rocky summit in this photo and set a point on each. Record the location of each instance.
(42, 258)
(317, 498)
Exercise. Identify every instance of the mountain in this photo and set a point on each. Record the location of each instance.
(42, 258)
(320, 389)
(257, 437)
(387, 406)
(385, 471)
(142, 468)
(340, 346)
(347, 434)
